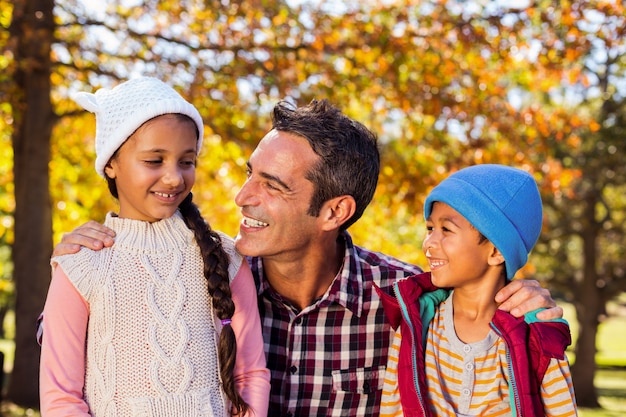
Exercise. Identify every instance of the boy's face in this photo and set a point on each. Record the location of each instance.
(453, 249)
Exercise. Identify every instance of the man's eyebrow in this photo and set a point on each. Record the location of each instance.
(270, 177)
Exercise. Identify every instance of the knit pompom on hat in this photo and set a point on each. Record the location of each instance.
(501, 202)
(121, 110)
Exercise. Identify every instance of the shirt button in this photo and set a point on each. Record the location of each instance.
(466, 392)
(293, 369)
(298, 320)
(467, 348)
(469, 366)
(366, 386)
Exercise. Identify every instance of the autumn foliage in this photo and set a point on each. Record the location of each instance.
(444, 84)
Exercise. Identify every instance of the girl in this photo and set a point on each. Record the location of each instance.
(164, 323)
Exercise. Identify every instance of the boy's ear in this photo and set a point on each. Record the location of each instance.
(495, 258)
(337, 211)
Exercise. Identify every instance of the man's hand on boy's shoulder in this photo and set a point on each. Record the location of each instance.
(92, 235)
(522, 296)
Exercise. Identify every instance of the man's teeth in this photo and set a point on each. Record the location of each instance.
(164, 194)
(253, 223)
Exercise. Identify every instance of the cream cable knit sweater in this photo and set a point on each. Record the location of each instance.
(151, 338)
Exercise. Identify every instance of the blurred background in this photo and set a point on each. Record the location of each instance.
(539, 85)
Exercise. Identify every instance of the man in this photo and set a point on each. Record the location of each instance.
(325, 333)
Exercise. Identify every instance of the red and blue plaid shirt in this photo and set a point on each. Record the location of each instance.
(329, 359)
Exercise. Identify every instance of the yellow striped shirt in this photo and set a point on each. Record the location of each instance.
(472, 379)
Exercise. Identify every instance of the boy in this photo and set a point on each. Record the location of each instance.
(455, 353)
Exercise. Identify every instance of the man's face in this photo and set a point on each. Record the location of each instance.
(275, 199)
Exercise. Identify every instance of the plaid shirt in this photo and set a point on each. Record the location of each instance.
(329, 359)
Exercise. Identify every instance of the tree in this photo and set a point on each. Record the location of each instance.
(586, 235)
(444, 84)
(585, 242)
(581, 113)
(31, 35)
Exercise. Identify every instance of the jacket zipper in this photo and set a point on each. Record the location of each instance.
(407, 318)
(509, 364)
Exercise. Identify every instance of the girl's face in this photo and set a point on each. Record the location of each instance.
(155, 168)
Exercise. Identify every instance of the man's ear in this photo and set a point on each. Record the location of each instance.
(495, 257)
(337, 211)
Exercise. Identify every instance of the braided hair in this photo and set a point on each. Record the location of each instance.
(216, 272)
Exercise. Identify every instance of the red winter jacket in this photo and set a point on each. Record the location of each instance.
(530, 344)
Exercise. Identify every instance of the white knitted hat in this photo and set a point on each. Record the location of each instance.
(123, 109)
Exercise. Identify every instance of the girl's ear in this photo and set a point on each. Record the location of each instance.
(109, 170)
(496, 257)
(337, 211)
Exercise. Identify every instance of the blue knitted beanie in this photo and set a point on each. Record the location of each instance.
(501, 202)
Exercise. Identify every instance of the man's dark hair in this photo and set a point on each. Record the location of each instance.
(349, 158)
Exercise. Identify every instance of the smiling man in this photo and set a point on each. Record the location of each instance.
(325, 333)
(326, 340)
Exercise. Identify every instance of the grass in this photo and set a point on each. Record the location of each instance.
(610, 379)
(611, 385)
(611, 337)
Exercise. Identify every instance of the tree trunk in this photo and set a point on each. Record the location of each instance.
(588, 307)
(584, 369)
(32, 31)
(3, 313)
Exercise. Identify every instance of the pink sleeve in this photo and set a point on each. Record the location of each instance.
(251, 374)
(62, 368)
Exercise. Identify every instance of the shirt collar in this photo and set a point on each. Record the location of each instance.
(346, 289)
